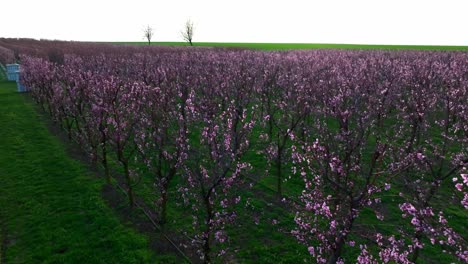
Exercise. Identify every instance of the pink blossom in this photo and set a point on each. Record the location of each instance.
(387, 186)
(311, 251)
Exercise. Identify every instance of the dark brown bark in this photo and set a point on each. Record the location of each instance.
(128, 182)
(206, 239)
(104, 153)
(279, 175)
(341, 240)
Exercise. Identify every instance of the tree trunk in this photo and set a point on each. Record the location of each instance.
(164, 194)
(206, 239)
(415, 255)
(69, 125)
(49, 109)
(95, 157)
(128, 180)
(270, 129)
(105, 165)
(279, 174)
(104, 157)
(336, 254)
(163, 216)
(206, 250)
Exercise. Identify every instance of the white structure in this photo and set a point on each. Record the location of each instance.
(13, 74)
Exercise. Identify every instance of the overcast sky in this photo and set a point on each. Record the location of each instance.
(428, 22)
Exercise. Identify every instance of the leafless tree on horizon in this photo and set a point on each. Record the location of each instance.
(148, 33)
(187, 32)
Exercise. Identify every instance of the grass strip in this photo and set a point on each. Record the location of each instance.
(51, 208)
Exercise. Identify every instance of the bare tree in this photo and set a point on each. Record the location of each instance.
(187, 32)
(148, 34)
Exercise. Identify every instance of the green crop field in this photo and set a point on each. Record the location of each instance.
(286, 46)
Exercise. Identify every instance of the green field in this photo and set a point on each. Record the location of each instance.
(285, 46)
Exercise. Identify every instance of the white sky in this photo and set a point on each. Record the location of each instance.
(431, 22)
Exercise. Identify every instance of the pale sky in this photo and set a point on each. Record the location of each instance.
(412, 22)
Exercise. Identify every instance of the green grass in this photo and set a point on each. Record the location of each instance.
(286, 46)
(2, 75)
(51, 210)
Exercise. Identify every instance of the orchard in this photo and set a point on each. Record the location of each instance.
(366, 150)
